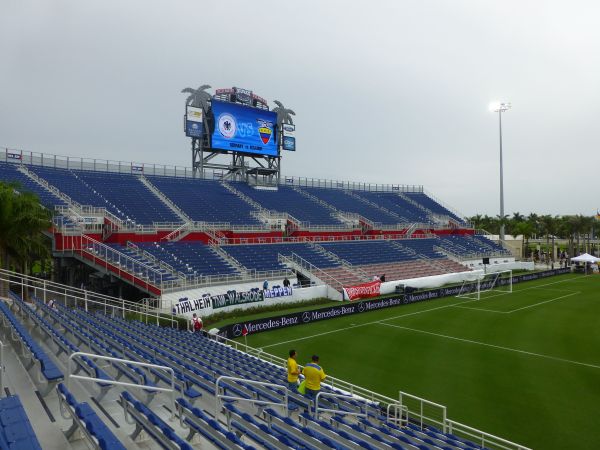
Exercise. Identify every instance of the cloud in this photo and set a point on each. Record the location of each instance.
(386, 92)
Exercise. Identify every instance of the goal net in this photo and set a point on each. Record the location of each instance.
(491, 285)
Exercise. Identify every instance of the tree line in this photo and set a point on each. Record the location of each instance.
(578, 230)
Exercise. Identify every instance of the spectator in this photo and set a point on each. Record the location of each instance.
(382, 278)
(51, 304)
(265, 285)
(196, 323)
(292, 371)
(375, 277)
(286, 282)
(313, 375)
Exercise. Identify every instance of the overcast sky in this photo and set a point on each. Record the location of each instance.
(384, 91)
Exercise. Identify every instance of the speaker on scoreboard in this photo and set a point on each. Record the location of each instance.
(486, 260)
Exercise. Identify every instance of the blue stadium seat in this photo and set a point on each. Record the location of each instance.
(10, 174)
(346, 203)
(206, 201)
(16, 431)
(286, 199)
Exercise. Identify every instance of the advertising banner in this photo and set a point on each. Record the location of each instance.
(209, 303)
(346, 309)
(365, 290)
(289, 137)
(243, 129)
(278, 292)
(194, 121)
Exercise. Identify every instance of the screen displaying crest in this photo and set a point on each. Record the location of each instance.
(243, 129)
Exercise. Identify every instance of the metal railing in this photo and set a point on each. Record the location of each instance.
(20, 156)
(294, 259)
(148, 387)
(222, 396)
(485, 440)
(70, 296)
(423, 411)
(114, 261)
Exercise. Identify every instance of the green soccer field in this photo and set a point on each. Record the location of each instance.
(524, 366)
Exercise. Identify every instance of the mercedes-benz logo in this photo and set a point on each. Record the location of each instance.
(361, 307)
(306, 317)
(237, 330)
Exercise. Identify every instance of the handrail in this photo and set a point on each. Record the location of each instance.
(82, 296)
(122, 383)
(298, 260)
(339, 411)
(398, 419)
(421, 415)
(482, 437)
(219, 396)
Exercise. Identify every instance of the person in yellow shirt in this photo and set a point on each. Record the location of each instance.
(313, 374)
(292, 371)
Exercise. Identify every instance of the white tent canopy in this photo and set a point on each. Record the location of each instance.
(585, 258)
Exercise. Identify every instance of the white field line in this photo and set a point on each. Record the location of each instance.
(479, 309)
(519, 309)
(394, 317)
(541, 303)
(499, 347)
(354, 326)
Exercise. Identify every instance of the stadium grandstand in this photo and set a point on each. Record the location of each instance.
(160, 229)
(136, 245)
(164, 235)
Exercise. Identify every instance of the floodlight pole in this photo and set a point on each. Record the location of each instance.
(501, 178)
(500, 108)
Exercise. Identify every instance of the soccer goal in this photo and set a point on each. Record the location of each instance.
(491, 285)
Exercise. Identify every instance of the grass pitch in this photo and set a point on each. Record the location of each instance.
(524, 366)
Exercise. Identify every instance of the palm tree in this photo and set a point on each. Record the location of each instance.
(284, 115)
(535, 222)
(526, 230)
(503, 220)
(22, 221)
(518, 217)
(198, 98)
(547, 227)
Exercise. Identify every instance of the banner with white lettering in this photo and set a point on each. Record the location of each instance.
(365, 290)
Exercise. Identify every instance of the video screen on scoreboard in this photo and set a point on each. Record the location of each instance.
(243, 129)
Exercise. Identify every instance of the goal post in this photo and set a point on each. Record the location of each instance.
(490, 285)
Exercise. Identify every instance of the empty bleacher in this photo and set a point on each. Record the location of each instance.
(286, 199)
(395, 203)
(10, 174)
(263, 257)
(123, 195)
(346, 203)
(206, 201)
(132, 199)
(432, 205)
(190, 258)
(472, 246)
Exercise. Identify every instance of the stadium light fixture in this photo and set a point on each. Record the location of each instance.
(500, 107)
